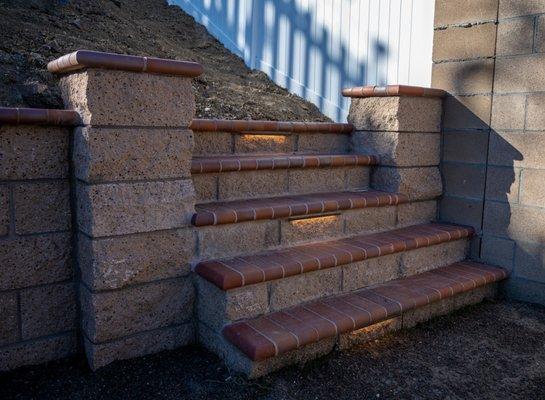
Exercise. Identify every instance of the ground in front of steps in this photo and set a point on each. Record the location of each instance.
(488, 351)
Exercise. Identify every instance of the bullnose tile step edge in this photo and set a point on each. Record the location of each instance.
(241, 271)
(81, 59)
(232, 163)
(230, 212)
(38, 116)
(280, 332)
(247, 126)
(392, 90)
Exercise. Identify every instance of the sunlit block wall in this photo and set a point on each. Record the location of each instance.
(314, 48)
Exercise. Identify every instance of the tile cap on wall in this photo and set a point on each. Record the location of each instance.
(38, 116)
(95, 59)
(392, 90)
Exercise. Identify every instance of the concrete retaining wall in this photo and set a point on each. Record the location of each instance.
(37, 291)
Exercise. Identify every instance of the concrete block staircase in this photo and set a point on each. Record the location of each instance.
(303, 236)
(300, 251)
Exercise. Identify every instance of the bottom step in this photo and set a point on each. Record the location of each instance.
(284, 331)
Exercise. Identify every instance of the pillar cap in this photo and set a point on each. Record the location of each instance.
(393, 90)
(95, 59)
(38, 116)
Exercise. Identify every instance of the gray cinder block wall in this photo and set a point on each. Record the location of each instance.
(489, 55)
(38, 318)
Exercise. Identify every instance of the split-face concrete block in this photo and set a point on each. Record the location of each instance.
(122, 98)
(222, 241)
(33, 152)
(4, 210)
(38, 351)
(9, 310)
(115, 314)
(324, 143)
(35, 260)
(217, 307)
(169, 338)
(422, 314)
(116, 262)
(427, 258)
(370, 272)
(252, 184)
(399, 148)
(206, 187)
(114, 154)
(207, 143)
(123, 208)
(42, 207)
(48, 310)
(418, 183)
(420, 212)
(298, 289)
(369, 220)
(396, 114)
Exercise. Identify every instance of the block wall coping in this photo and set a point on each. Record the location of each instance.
(392, 90)
(224, 125)
(95, 59)
(38, 116)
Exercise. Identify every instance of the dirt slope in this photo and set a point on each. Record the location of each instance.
(33, 32)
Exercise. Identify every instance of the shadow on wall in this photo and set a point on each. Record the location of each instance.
(486, 195)
(296, 52)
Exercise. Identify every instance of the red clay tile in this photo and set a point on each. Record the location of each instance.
(229, 212)
(280, 332)
(38, 116)
(230, 163)
(311, 257)
(392, 90)
(248, 126)
(95, 59)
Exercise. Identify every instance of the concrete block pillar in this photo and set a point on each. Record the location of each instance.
(134, 199)
(402, 125)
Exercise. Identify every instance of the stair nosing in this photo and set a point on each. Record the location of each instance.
(236, 126)
(404, 294)
(240, 162)
(415, 237)
(230, 212)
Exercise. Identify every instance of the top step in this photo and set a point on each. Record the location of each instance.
(243, 136)
(246, 126)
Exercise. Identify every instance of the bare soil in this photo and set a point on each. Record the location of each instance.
(33, 32)
(490, 351)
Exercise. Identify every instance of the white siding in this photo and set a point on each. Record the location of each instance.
(314, 48)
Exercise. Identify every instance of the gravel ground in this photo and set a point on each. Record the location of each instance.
(489, 351)
(33, 32)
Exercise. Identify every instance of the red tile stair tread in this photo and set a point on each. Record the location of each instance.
(305, 324)
(311, 257)
(230, 163)
(226, 212)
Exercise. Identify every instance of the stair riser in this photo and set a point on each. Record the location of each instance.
(223, 241)
(269, 183)
(207, 143)
(238, 362)
(217, 307)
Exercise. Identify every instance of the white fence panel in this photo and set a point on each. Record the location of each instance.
(314, 48)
